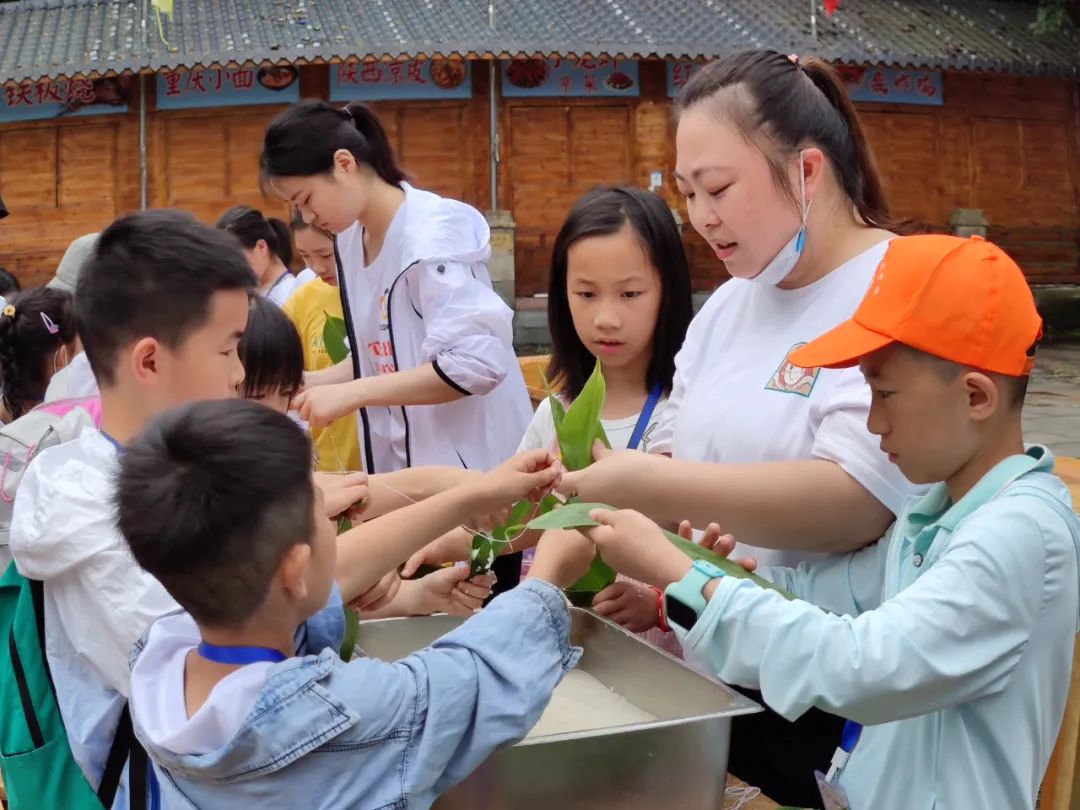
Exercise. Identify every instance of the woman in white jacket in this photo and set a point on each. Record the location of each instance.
(433, 372)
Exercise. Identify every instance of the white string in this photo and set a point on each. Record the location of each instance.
(740, 795)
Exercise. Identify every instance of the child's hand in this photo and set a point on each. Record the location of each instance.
(449, 590)
(530, 475)
(341, 491)
(631, 605)
(716, 540)
(562, 557)
(380, 594)
(322, 404)
(453, 546)
(635, 546)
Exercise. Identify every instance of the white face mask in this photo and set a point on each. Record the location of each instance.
(784, 262)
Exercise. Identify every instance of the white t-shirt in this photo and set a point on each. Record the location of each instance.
(369, 290)
(737, 399)
(287, 284)
(540, 434)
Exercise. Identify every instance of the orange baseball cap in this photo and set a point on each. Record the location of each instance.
(963, 300)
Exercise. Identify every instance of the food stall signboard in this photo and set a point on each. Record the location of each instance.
(52, 98)
(602, 76)
(228, 87)
(414, 79)
(886, 85)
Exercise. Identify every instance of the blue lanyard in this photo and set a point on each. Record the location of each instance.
(643, 419)
(221, 654)
(119, 447)
(849, 737)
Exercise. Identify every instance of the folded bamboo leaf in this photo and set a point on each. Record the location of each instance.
(335, 339)
(483, 552)
(575, 515)
(352, 627)
(581, 428)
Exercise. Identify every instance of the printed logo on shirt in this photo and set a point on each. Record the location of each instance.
(384, 311)
(646, 437)
(793, 379)
(382, 356)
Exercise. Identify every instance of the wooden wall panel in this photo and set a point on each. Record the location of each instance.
(28, 168)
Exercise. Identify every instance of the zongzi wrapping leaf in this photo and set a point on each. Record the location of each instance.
(575, 515)
(352, 627)
(580, 428)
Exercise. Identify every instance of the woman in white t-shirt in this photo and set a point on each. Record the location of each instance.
(433, 374)
(781, 183)
(267, 245)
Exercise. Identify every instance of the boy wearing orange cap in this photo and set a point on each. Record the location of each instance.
(951, 638)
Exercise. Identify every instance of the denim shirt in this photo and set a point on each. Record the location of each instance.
(376, 734)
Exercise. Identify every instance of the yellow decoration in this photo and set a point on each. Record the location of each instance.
(163, 6)
(9, 310)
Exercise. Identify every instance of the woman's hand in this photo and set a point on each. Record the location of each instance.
(323, 404)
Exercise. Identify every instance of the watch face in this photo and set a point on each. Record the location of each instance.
(679, 613)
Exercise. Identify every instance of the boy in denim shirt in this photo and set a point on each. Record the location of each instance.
(951, 638)
(225, 710)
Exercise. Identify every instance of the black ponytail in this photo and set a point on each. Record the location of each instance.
(250, 226)
(788, 105)
(302, 140)
(34, 325)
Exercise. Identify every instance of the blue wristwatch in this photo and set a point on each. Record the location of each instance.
(683, 600)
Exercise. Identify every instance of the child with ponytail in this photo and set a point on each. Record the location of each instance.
(37, 339)
(268, 248)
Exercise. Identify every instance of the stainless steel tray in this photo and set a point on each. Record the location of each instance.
(678, 761)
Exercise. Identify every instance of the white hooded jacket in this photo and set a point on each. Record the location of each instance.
(427, 298)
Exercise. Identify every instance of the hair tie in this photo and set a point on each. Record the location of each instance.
(9, 310)
(794, 57)
(51, 327)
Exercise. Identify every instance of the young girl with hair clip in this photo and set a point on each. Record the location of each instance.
(433, 372)
(780, 181)
(37, 339)
(337, 446)
(268, 249)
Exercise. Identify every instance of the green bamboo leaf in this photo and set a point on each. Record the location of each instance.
(576, 516)
(335, 338)
(352, 627)
(580, 428)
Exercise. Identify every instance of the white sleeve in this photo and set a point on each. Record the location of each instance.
(838, 422)
(540, 434)
(955, 635)
(469, 331)
(105, 601)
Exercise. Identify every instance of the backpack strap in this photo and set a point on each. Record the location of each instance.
(125, 748)
(124, 745)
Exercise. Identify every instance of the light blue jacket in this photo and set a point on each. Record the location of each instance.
(372, 734)
(959, 667)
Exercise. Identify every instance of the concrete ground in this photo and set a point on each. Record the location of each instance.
(1052, 408)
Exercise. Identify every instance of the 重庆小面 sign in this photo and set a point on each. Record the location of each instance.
(888, 85)
(602, 76)
(227, 87)
(415, 79)
(51, 98)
